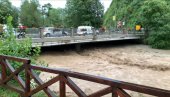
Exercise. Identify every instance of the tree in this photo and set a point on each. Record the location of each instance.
(84, 12)
(6, 9)
(11, 46)
(153, 15)
(156, 15)
(56, 17)
(128, 11)
(30, 15)
(53, 16)
(47, 8)
(15, 15)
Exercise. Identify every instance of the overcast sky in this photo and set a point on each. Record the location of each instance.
(58, 3)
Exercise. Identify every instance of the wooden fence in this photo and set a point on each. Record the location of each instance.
(117, 88)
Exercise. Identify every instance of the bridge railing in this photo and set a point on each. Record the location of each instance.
(117, 88)
(72, 32)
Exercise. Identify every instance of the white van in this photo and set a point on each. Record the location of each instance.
(85, 30)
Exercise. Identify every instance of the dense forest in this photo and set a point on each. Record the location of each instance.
(153, 15)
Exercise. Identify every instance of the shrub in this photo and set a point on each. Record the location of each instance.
(155, 14)
(156, 19)
(9, 45)
(159, 39)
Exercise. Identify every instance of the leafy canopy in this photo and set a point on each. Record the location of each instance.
(30, 15)
(153, 15)
(84, 12)
(6, 9)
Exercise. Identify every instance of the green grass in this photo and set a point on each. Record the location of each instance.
(4, 92)
(7, 93)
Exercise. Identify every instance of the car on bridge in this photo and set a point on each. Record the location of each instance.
(53, 32)
(85, 30)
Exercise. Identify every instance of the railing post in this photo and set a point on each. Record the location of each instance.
(114, 92)
(94, 35)
(62, 87)
(72, 32)
(27, 79)
(4, 71)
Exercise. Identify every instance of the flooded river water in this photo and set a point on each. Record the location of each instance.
(138, 64)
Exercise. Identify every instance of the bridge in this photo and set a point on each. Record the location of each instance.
(75, 39)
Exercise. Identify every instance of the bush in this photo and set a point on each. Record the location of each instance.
(156, 15)
(159, 39)
(4, 92)
(9, 45)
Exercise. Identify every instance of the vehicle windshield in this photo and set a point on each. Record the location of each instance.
(83, 29)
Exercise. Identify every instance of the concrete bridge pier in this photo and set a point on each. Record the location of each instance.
(78, 47)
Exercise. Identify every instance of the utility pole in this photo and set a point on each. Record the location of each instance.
(116, 15)
(97, 21)
(43, 13)
(97, 13)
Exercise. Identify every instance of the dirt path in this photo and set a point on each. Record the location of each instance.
(136, 64)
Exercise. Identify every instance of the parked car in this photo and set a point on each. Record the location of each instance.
(53, 32)
(85, 30)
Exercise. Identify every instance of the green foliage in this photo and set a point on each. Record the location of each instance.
(46, 9)
(153, 15)
(30, 15)
(55, 17)
(44, 16)
(4, 92)
(1, 28)
(128, 11)
(84, 12)
(6, 9)
(160, 40)
(11, 46)
(156, 15)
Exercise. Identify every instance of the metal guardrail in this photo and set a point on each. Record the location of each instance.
(37, 33)
(117, 88)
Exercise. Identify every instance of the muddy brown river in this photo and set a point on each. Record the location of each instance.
(138, 64)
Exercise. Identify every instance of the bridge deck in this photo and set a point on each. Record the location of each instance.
(65, 40)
